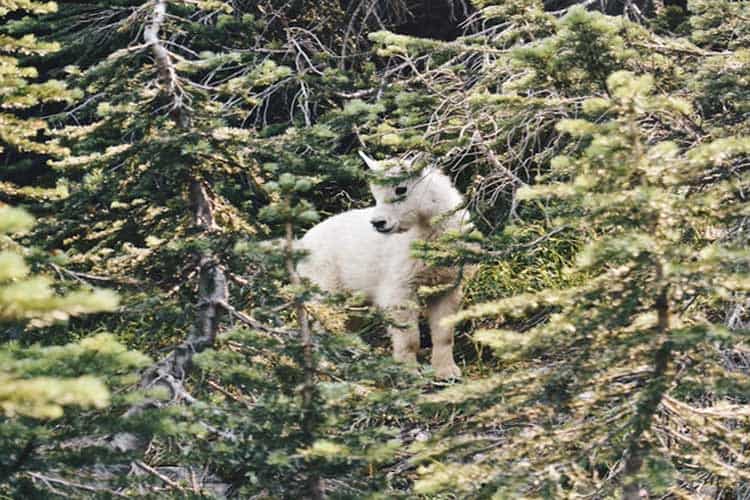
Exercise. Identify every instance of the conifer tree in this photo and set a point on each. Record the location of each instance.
(165, 176)
(599, 363)
(37, 383)
(18, 89)
(626, 400)
(554, 384)
(32, 299)
(25, 297)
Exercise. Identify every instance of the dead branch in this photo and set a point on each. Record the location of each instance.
(85, 277)
(62, 482)
(254, 323)
(525, 246)
(158, 474)
(242, 401)
(164, 66)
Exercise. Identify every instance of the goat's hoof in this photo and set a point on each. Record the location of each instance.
(448, 371)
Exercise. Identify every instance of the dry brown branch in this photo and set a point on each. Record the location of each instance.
(525, 246)
(165, 68)
(158, 474)
(49, 480)
(242, 401)
(86, 277)
(254, 323)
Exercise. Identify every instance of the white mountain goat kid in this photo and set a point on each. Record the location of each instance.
(369, 251)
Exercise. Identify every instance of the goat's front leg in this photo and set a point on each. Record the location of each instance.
(404, 330)
(404, 335)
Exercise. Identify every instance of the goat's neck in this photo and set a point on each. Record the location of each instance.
(448, 215)
(455, 219)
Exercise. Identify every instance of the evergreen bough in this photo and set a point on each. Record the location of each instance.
(201, 125)
(621, 403)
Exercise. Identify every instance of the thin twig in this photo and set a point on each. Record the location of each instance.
(70, 484)
(243, 401)
(83, 277)
(158, 474)
(524, 246)
(252, 322)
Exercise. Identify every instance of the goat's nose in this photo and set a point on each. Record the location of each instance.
(378, 223)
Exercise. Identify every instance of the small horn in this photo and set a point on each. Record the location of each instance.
(373, 164)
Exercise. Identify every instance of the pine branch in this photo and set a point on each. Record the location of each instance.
(48, 480)
(309, 369)
(85, 278)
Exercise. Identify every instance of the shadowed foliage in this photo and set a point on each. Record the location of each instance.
(603, 149)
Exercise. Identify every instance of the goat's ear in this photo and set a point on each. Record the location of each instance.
(372, 163)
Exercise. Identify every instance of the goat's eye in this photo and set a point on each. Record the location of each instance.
(400, 191)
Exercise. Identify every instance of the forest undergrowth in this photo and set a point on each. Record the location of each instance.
(154, 344)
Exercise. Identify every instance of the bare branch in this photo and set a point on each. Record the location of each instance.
(158, 474)
(62, 482)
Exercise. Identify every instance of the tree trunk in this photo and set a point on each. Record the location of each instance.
(308, 365)
(650, 401)
(213, 293)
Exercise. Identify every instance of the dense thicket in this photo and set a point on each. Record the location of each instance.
(603, 147)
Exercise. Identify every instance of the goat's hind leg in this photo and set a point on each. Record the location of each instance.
(439, 308)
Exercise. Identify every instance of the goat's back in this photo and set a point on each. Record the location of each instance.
(346, 253)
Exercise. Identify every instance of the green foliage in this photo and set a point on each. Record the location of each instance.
(604, 159)
(628, 342)
(586, 48)
(18, 132)
(719, 24)
(39, 383)
(361, 402)
(32, 377)
(528, 19)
